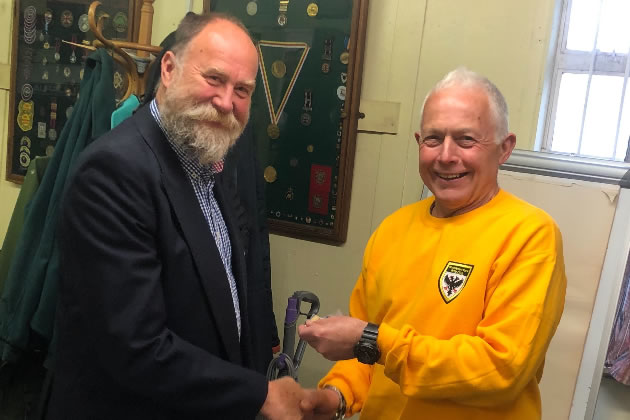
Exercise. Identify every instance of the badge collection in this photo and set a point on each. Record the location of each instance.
(299, 106)
(49, 73)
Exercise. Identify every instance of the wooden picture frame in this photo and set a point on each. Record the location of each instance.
(46, 72)
(319, 46)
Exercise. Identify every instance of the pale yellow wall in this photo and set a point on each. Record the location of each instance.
(8, 190)
(168, 14)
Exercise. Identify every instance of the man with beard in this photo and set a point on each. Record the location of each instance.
(153, 316)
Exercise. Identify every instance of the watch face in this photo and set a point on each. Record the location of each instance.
(366, 352)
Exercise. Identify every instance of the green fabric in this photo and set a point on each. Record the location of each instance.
(30, 293)
(125, 110)
(34, 174)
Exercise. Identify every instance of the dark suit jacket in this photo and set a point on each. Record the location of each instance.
(146, 321)
(243, 177)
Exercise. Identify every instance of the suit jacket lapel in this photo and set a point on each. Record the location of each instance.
(200, 241)
(227, 204)
(228, 201)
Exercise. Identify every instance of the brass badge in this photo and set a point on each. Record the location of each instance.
(278, 69)
(270, 174)
(26, 111)
(453, 280)
(312, 9)
(273, 131)
(344, 57)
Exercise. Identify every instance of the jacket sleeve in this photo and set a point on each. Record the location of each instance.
(508, 349)
(112, 282)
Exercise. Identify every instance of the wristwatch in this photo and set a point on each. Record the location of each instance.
(366, 351)
(340, 414)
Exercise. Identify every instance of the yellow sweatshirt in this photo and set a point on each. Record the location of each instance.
(466, 305)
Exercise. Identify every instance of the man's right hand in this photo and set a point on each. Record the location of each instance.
(283, 400)
(320, 404)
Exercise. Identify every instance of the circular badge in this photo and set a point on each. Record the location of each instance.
(312, 9)
(30, 13)
(120, 22)
(27, 92)
(25, 160)
(305, 119)
(341, 93)
(67, 72)
(270, 174)
(282, 19)
(57, 56)
(69, 111)
(273, 131)
(310, 148)
(252, 8)
(84, 24)
(279, 69)
(344, 57)
(66, 18)
(325, 67)
(25, 141)
(49, 150)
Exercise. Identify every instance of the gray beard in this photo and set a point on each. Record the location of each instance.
(186, 124)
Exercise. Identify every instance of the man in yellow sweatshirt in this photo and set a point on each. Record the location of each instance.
(459, 294)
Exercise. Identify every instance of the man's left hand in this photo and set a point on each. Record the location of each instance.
(333, 337)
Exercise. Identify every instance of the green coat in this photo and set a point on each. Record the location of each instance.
(29, 297)
(32, 179)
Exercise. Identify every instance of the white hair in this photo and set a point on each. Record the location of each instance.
(463, 77)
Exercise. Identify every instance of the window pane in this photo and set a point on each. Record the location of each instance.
(566, 130)
(614, 31)
(600, 124)
(582, 24)
(624, 128)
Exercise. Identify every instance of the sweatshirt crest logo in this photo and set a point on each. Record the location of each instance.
(453, 280)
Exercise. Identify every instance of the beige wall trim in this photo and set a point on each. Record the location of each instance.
(5, 76)
(380, 117)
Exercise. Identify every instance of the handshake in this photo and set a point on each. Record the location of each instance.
(286, 399)
(334, 338)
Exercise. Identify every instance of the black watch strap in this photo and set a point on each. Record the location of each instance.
(370, 332)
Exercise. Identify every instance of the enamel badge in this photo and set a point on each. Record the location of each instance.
(453, 280)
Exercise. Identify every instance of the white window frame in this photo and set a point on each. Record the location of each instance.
(580, 62)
